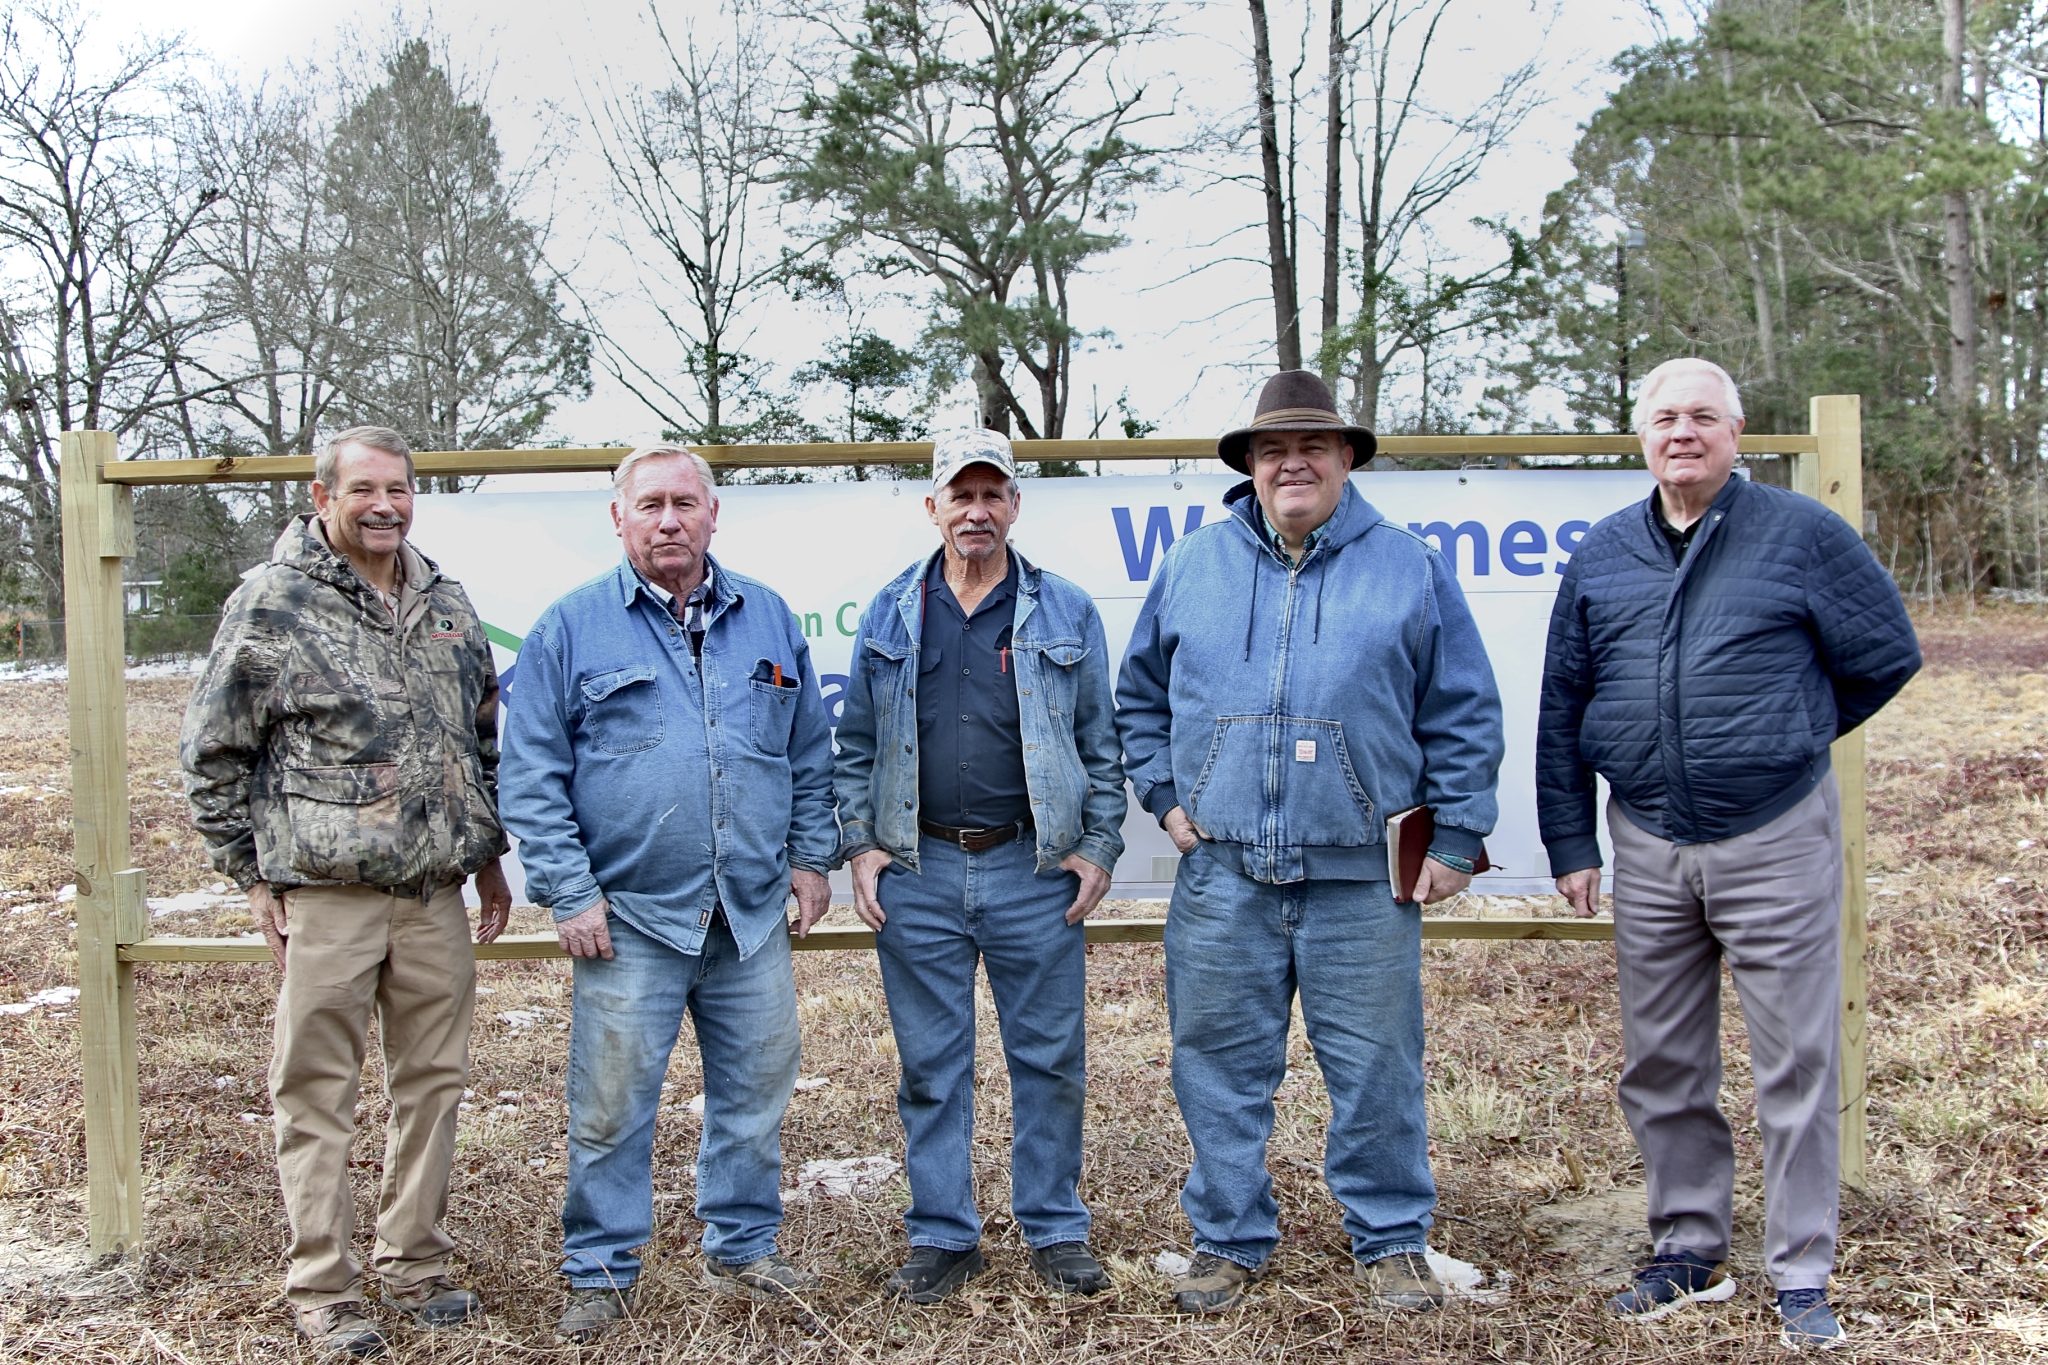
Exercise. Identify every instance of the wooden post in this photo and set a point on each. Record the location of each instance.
(1835, 476)
(99, 533)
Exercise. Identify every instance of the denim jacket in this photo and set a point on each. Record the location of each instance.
(1071, 771)
(667, 784)
(1291, 708)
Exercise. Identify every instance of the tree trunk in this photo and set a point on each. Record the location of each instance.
(1333, 185)
(1955, 255)
(1286, 297)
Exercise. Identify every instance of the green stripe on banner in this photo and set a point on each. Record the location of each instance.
(504, 639)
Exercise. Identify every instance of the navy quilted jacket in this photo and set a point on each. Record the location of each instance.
(1707, 694)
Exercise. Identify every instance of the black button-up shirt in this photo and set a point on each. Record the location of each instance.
(970, 743)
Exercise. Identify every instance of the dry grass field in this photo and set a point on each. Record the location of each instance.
(1944, 1258)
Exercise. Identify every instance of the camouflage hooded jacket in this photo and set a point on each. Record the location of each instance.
(325, 743)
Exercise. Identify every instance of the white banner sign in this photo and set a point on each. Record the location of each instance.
(829, 547)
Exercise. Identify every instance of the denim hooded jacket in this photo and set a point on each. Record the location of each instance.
(1071, 771)
(1291, 708)
(668, 784)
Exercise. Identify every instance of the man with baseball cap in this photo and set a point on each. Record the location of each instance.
(1300, 671)
(981, 804)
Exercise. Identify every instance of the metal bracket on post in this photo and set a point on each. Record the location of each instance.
(99, 532)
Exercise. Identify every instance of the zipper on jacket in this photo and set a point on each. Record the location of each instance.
(1681, 573)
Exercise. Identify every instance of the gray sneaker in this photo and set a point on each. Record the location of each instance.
(341, 1331)
(436, 1301)
(591, 1312)
(1402, 1280)
(774, 1276)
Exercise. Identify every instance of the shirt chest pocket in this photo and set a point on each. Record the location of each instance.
(622, 710)
(773, 700)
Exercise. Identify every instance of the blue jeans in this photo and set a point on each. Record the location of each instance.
(1237, 951)
(996, 907)
(627, 1014)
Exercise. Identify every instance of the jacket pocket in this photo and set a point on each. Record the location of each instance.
(344, 823)
(1285, 780)
(887, 683)
(1059, 673)
(774, 707)
(622, 710)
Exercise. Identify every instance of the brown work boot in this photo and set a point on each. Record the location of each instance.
(340, 1331)
(1212, 1283)
(1402, 1280)
(436, 1301)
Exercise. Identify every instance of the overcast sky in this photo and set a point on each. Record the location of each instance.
(1187, 344)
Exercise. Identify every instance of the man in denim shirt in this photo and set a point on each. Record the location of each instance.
(1299, 672)
(668, 776)
(982, 804)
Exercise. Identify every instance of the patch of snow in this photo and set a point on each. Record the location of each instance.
(185, 667)
(67, 893)
(519, 1020)
(1171, 1264)
(56, 995)
(812, 1082)
(1462, 1279)
(854, 1177)
(188, 902)
(696, 1105)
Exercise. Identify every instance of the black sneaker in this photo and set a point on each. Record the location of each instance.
(1070, 1267)
(1808, 1320)
(933, 1274)
(1668, 1283)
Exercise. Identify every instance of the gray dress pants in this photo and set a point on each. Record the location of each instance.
(1769, 902)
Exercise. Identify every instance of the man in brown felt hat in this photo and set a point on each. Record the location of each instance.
(1300, 671)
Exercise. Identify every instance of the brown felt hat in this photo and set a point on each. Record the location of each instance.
(1294, 400)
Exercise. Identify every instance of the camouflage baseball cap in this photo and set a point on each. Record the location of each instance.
(953, 451)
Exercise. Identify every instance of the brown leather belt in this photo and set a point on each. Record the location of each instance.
(973, 840)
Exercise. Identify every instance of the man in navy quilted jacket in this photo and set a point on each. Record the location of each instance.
(1707, 645)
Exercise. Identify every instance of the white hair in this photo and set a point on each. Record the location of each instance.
(327, 464)
(622, 475)
(1670, 369)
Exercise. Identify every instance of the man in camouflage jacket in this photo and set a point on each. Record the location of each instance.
(341, 757)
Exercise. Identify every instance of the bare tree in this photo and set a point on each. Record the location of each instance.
(691, 164)
(274, 257)
(1410, 160)
(97, 214)
(1279, 238)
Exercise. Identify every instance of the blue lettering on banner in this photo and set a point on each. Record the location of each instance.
(1157, 539)
(1568, 537)
(832, 687)
(1524, 547)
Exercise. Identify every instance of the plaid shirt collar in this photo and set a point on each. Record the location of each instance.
(692, 612)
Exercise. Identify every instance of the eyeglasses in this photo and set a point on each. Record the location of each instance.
(1706, 419)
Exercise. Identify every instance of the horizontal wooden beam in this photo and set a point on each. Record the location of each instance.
(834, 937)
(601, 459)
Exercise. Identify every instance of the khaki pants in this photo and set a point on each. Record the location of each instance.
(1768, 903)
(351, 950)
